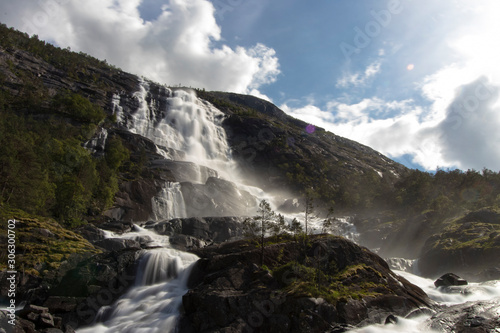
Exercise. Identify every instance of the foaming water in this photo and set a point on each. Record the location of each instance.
(153, 304)
(141, 235)
(177, 119)
(448, 296)
(456, 294)
(415, 325)
(341, 226)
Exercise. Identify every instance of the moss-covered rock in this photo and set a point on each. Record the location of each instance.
(467, 246)
(303, 286)
(42, 244)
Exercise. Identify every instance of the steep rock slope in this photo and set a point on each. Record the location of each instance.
(273, 150)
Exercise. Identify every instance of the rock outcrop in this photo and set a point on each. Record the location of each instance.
(450, 279)
(468, 247)
(328, 282)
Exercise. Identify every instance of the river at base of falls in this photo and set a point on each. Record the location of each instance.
(446, 297)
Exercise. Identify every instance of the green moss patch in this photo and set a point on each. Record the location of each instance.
(303, 281)
(41, 243)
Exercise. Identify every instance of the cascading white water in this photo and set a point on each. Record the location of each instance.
(177, 121)
(185, 123)
(169, 203)
(153, 305)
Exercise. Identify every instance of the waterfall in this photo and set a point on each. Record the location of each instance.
(117, 109)
(97, 144)
(153, 304)
(188, 134)
(177, 119)
(169, 203)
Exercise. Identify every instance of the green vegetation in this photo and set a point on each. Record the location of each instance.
(458, 234)
(46, 171)
(78, 107)
(304, 281)
(41, 243)
(264, 221)
(446, 193)
(44, 168)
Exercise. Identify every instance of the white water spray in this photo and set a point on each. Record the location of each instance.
(153, 304)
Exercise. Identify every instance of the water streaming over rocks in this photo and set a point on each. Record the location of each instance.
(189, 135)
(169, 203)
(153, 304)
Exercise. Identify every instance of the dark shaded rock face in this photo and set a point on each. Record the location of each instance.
(230, 293)
(118, 244)
(92, 284)
(450, 279)
(207, 229)
(38, 319)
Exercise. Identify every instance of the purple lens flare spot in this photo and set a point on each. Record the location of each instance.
(310, 129)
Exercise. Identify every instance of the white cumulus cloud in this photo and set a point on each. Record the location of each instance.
(181, 45)
(360, 78)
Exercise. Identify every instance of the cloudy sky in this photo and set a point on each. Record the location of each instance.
(416, 80)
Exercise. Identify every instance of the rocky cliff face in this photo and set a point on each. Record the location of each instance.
(272, 150)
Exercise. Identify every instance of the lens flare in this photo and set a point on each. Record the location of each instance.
(410, 67)
(310, 129)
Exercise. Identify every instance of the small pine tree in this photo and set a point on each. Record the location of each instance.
(278, 226)
(295, 228)
(250, 228)
(328, 221)
(309, 196)
(264, 217)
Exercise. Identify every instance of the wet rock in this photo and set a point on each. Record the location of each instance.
(185, 171)
(401, 264)
(118, 244)
(391, 319)
(46, 320)
(51, 330)
(470, 317)
(34, 318)
(25, 325)
(183, 242)
(420, 312)
(217, 197)
(207, 229)
(450, 279)
(117, 226)
(57, 304)
(341, 328)
(91, 233)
